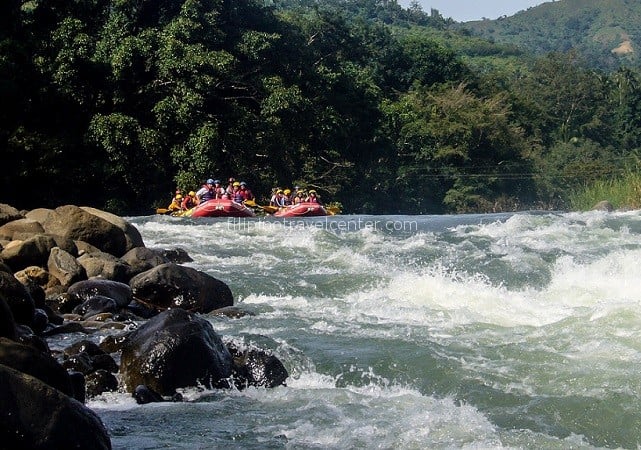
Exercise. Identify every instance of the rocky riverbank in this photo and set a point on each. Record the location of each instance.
(82, 270)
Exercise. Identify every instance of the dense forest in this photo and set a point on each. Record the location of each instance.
(115, 103)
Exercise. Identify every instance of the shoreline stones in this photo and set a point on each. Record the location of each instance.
(78, 269)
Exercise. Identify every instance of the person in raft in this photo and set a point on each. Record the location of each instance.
(207, 192)
(312, 197)
(175, 203)
(189, 201)
(246, 192)
(278, 199)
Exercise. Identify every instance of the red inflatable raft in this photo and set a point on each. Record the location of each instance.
(304, 209)
(220, 208)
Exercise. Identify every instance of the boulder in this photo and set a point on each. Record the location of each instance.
(37, 416)
(35, 363)
(133, 238)
(64, 266)
(7, 324)
(96, 305)
(40, 214)
(37, 275)
(120, 292)
(8, 213)
(32, 252)
(175, 255)
(603, 205)
(105, 265)
(28, 226)
(141, 259)
(18, 299)
(256, 367)
(172, 350)
(173, 286)
(75, 223)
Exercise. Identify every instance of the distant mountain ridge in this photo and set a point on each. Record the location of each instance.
(607, 33)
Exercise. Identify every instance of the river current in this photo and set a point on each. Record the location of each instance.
(414, 332)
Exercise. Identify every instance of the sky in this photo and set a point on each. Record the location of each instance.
(467, 10)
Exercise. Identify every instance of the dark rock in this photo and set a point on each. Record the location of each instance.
(256, 367)
(99, 382)
(141, 259)
(67, 327)
(35, 363)
(37, 416)
(96, 305)
(174, 286)
(65, 303)
(233, 312)
(105, 265)
(18, 299)
(121, 293)
(40, 320)
(172, 350)
(175, 255)
(7, 324)
(144, 395)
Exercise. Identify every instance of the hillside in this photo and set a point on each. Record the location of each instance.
(607, 33)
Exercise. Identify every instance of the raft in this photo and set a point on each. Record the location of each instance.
(304, 209)
(220, 207)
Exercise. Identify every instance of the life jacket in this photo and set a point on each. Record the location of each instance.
(237, 197)
(312, 199)
(209, 194)
(188, 202)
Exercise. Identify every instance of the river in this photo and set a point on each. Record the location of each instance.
(412, 332)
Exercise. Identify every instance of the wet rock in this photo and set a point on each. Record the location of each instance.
(174, 286)
(256, 367)
(141, 259)
(43, 366)
(48, 420)
(172, 350)
(121, 293)
(96, 305)
(18, 299)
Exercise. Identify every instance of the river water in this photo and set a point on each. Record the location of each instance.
(414, 332)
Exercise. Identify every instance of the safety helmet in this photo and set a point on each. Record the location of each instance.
(279, 191)
(216, 181)
(179, 197)
(231, 180)
(192, 194)
(210, 181)
(312, 191)
(287, 192)
(236, 183)
(242, 183)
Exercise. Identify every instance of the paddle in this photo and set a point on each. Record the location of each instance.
(266, 208)
(333, 210)
(162, 211)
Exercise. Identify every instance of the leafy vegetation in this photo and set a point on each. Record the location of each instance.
(114, 104)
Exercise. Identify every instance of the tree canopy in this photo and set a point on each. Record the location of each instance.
(116, 103)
